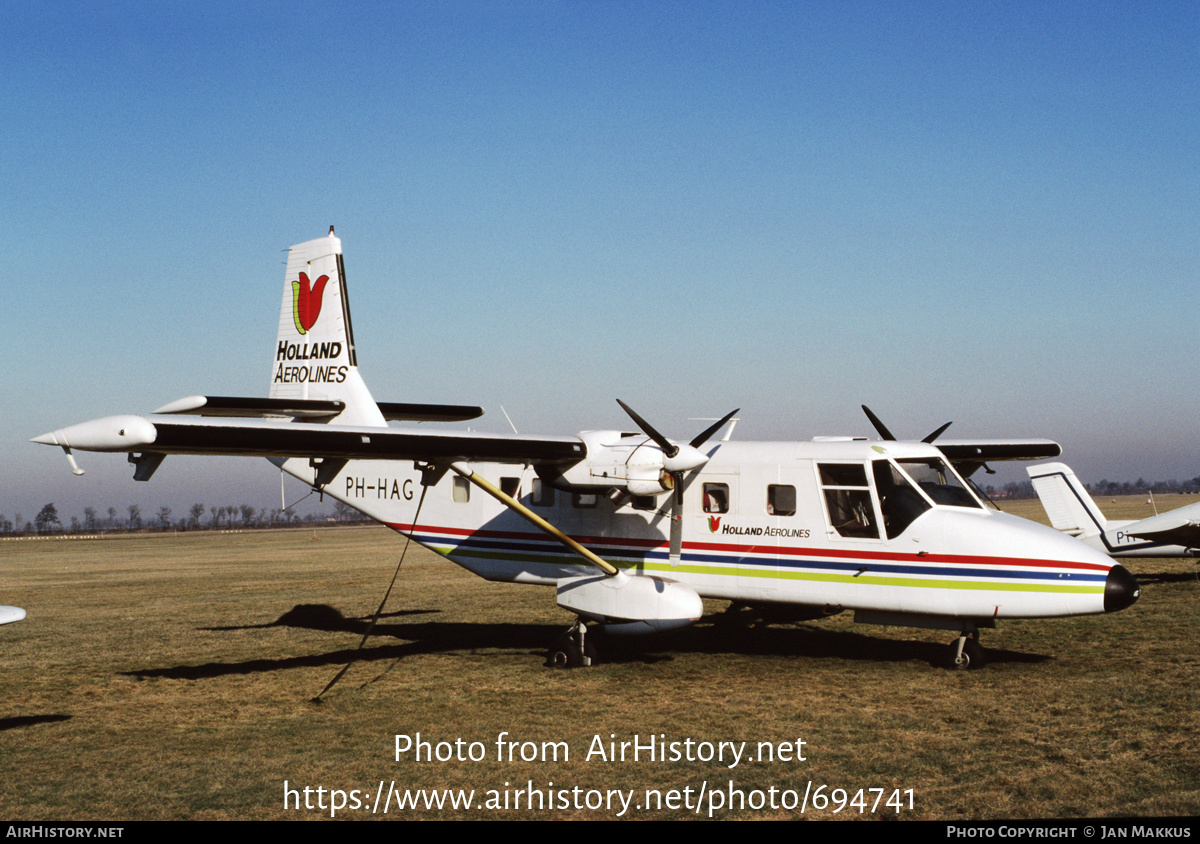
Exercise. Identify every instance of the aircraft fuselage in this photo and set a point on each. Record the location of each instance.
(798, 523)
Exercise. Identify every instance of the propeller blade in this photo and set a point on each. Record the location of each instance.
(691, 459)
(676, 535)
(884, 433)
(669, 448)
(703, 436)
(937, 433)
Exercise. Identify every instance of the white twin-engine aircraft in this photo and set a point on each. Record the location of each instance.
(634, 529)
(1175, 533)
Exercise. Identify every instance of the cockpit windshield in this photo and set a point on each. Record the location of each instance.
(899, 501)
(939, 482)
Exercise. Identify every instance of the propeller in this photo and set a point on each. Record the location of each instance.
(885, 434)
(677, 460)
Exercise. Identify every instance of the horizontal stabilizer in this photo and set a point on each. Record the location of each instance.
(254, 408)
(1178, 527)
(402, 412)
(260, 408)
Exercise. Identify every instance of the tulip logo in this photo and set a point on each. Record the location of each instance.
(714, 523)
(306, 301)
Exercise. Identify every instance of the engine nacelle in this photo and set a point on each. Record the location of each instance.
(651, 486)
(631, 462)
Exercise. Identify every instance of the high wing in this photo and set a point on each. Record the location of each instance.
(162, 436)
(969, 455)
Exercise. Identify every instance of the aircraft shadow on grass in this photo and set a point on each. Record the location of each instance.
(714, 635)
(1164, 577)
(29, 720)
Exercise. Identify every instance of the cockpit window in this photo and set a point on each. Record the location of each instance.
(848, 499)
(939, 482)
(898, 499)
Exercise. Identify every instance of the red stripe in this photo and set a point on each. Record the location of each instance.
(841, 553)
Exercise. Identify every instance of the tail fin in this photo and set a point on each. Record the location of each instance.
(314, 352)
(1067, 503)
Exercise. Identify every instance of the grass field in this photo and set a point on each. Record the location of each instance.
(173, 676)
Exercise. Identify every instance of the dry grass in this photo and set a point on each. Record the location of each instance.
(173, 676)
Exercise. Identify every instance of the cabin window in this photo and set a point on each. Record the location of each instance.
(781, 500)
(461, 489)
(543, 494)
(716, 498)
(898, 500)
(584, 500)
(848, 499)
(511, 487)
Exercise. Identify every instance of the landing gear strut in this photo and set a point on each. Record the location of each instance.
(966, 652)
(574, 649)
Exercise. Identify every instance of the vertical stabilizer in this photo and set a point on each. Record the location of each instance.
(314, 355)
(1067, 503)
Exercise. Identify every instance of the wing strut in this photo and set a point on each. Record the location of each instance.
(511, 503)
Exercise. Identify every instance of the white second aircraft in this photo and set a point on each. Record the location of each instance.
(633, 529)
(1175, 533)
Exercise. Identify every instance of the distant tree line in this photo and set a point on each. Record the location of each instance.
(199, 517)
(1024, 489)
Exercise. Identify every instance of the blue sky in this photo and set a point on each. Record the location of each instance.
(985, 212)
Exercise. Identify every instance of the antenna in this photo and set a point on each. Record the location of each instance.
(510, 422)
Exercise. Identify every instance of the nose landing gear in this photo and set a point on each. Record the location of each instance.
(966, 652)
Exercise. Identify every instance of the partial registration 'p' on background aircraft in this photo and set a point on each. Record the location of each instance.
(633, 529)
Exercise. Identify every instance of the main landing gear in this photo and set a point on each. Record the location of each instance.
(575, 648)
(966, 652)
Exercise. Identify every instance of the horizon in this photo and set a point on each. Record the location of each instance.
(985, 214)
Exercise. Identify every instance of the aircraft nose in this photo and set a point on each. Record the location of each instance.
(1120, 589)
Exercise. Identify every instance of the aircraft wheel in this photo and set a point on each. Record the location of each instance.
(561, 654)
(974, 651)
(971, 657)
(566, 652)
